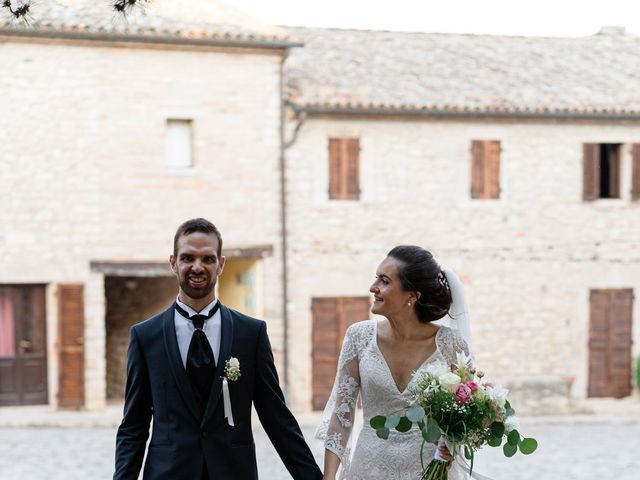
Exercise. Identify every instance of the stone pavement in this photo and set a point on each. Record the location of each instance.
(579, 447)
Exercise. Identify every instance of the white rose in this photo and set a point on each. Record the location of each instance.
(450, 381)
(511, 423)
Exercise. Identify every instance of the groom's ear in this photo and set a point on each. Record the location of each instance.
(172, 262)
(221, 264)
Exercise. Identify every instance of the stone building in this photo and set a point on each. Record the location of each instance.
(515, 160)
(112, 134)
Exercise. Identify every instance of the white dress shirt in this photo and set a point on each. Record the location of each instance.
(185, 329)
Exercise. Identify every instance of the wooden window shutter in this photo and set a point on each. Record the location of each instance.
(610, 333)
(331, 318)
(352, 168)
(620, 343)
(635, 176)
(591, 171)
(71, 341)
(485, 169)
(325, 350)
(344, 168)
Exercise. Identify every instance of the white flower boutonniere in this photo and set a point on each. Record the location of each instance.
(231, 373)
(232, 369)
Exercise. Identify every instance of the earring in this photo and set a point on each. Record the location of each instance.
(409, 304)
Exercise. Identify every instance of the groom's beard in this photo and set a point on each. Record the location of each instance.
(196, 293)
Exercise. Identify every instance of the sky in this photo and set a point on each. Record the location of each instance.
(558, 18)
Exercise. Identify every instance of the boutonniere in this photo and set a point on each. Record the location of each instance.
(232, 369)
(231, 373)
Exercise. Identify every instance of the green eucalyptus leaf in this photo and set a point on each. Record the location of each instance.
(513, 438)
(495, 441)
(528, 446)
(415, 413)
(510, 412)
(378, 422)
(392, 421)
(404, 425)
(509, 450)
(431, 433)
(382, 433)
(497, 429)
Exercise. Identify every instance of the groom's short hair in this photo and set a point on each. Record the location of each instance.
(197, 225)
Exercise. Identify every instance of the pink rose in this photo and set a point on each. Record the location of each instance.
(463, 394)
(473, 386)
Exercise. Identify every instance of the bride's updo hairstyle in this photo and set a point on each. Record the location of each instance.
(419, 272)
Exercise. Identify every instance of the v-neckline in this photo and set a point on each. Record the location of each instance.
(384, 359)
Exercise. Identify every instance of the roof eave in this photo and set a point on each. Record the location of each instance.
(269, 44)
(313, 109)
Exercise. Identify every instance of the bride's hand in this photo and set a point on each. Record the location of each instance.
(444, 452)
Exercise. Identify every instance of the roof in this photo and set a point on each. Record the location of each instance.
(425, 73)
(179, 21)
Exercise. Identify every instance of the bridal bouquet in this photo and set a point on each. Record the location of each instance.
(455, 405)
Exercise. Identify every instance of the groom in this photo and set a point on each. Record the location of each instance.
(176, 364)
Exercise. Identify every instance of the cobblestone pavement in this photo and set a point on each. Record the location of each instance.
(567, 451)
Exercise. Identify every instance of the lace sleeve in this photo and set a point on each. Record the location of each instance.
(339, 413)
(452, 342)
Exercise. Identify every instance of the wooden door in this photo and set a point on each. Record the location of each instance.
(331, 318)
(23, 345)
(610, 343)
(71, 339)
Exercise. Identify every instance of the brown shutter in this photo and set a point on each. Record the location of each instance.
(331, 318)
(71, 321)
(352, 168)
(335, 190)
(610, 343)
(591, 171)
(477, 169)
(598, 343)
(344, 169)
(492, 169)
(325, 343)
(620, 343)
(635, 176)
(485, 169)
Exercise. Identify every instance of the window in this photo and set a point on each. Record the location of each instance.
(485, 169)
(344, 168)
(601, 171)
(178, 151)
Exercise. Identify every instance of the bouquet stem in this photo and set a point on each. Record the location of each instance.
(436, 470)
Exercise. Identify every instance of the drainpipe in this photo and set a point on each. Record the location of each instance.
(284, 145)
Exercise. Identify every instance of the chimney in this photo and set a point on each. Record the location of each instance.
(613, 31)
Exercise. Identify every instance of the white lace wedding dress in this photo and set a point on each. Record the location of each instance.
(362, 370)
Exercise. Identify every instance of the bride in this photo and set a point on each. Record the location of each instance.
(377, 363)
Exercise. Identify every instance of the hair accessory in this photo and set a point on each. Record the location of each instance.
(442, 279)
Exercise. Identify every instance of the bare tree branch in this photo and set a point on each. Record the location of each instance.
(21, 10)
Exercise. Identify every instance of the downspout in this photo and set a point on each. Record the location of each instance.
(284, 145)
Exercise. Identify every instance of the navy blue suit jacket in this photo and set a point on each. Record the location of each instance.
(182, 438)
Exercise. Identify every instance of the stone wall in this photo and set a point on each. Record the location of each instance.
(83, 174)
(528, 260)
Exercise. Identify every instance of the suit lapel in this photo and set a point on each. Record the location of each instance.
(175, 362)
(226, 339)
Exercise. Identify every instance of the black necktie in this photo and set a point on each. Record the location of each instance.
(201, 364)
